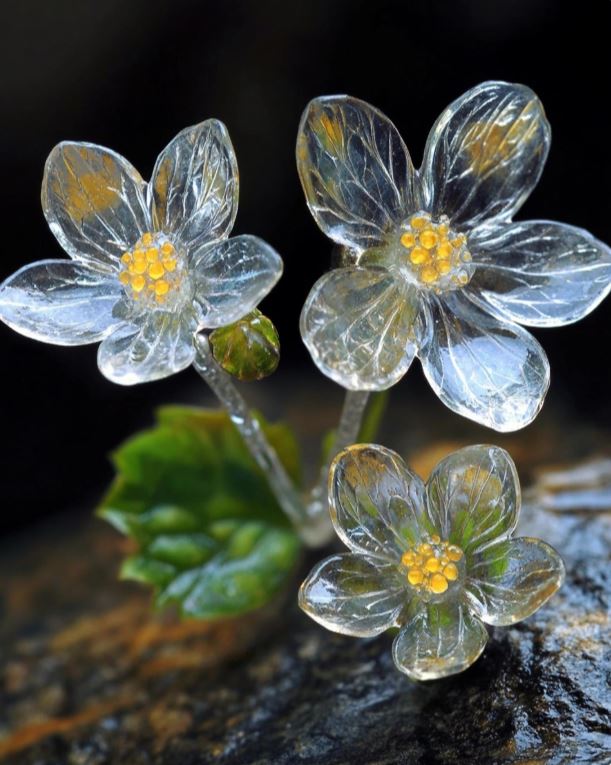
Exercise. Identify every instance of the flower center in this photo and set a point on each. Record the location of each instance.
(435, 256)
(432, 565)
(153, 270)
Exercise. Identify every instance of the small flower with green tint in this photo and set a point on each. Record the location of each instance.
(437, 560)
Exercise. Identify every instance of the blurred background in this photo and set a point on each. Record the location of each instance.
(130, 75)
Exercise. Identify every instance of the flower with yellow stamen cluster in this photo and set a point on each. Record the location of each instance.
(151, 264)
(436, 560)
(432, 264)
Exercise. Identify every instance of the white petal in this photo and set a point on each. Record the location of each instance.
(440, 640)
(511, 580)
(491, 371)
(375, 501)
(94, 203)
(359, 324)
(195, 184)
(473, 497)
(356, 172)
(159, 347)
(60, 302)
(540, 273)
(232, 277)
(354, 595)
(485, 154)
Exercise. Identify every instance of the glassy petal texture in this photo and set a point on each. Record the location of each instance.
(375, 501)
(231, 278)
(473, 497)
(94, 202)
(159, 347)
(355, 170)
(195, 184)
(540, 273)
(440, 640)
(354, 595)
(511, 580)
(485, 154)
(59, 301)
(489, 370)
(359, 326)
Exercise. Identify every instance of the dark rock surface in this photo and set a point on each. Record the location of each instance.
(89, 677)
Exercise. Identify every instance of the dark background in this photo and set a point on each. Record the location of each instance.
(131, 74)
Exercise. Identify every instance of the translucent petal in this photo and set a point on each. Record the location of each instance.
(60, 302)
(354, 594)
(540, 273)
(356, 172)
(359, 324)
(195, 184)
(375, 501)
(94, 202)
(440, 640)
(160, 346)
(489, 370)
(231, 277)
(485, 154)
(473, 497)
(511, 580)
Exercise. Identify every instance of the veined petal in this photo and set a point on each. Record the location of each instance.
(359, 324)
(540, 273)
(160, 346)
(375, 501)
(232, 277)
(440, 640)
(94, 202)
(355, 170)
(473, 497)
(509, 581)
(489, 370)
(485, 154)
(195, 184)
(354, 595)
(60, 302)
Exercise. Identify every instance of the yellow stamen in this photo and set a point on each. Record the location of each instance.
(147, 239)
(438, 584)
(152, 254)
(156, 270)
(408, 239)
(428, 239)
(415, 576)
(450, 572)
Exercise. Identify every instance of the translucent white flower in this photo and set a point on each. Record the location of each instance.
(151, 263)
(436, 560)
(433, 264)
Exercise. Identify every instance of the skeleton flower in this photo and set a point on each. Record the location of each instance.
(433, 264)
(150, 265)
(435, 560)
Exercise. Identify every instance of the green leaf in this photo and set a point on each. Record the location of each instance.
(248, 349)
(211, 536)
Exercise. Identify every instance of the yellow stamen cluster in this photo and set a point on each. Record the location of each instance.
(437, 256)
(432, 565)
(151, 269)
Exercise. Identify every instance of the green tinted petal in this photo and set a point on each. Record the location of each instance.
(440, 640)
(473, 497)
(354, 595)
(376, 501)
(509, 581)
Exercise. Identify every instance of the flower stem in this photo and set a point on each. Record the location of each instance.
(289, 499)
(353, 411)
